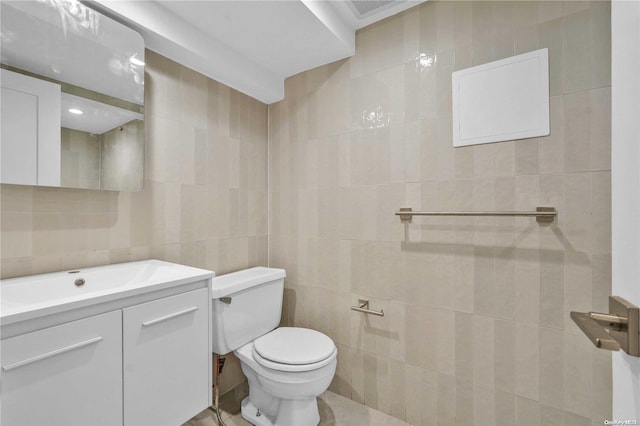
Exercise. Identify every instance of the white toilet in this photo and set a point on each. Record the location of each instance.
(287, 367)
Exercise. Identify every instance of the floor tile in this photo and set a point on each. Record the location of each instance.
(335, 410)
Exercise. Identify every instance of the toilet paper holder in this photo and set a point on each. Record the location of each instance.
(619, 329)
(363, 306)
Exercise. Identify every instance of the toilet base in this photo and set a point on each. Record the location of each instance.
(291, 412)
(249, 413)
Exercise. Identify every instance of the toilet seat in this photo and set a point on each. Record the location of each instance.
(294, 349)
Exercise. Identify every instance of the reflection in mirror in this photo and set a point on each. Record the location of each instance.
(72, 97)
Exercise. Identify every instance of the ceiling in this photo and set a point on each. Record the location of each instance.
(252, 46)
(96, 117)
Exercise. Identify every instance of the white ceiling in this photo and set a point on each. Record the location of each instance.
(96, 117)
(251, 46)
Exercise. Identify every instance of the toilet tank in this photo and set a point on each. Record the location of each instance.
(246, 305)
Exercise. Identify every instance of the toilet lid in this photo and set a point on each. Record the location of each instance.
(294, 345)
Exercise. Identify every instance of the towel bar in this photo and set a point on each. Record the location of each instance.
(542, 214)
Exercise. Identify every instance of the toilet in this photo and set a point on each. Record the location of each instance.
(287, 367)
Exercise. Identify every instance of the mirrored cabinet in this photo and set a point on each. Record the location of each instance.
(72, 98)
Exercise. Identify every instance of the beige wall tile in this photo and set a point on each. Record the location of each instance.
(396, 321)
(429, 397)
(601, 403)
(526, 156)
(370, 368)
(446, 341)
(526, 38)
(17, 233)
(421, 336)
(601, 282)
(482, 20)
(483, 354)
(601, 212)
(446, 399)
(549, 10)
(600, 43)
(577, 64)
(527, 412)
(505, 290)
(600, 128)
(578, 187)
(484, 405)
(484, 294)
(550, 416)
(527, 361)
(552, 289)
(464, 356)
(551, 36)
(398, 391)
(571, 6)
(574, 419)
(551, 367)
(578, 366)
(527, 284)
(577, 286)
(505, 356)
(577, 113)
(551, 148)
(383, 384)
(463, 297)
(505, 405)
(413, 394)
(464, 401)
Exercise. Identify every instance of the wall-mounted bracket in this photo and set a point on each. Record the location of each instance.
(619, 329)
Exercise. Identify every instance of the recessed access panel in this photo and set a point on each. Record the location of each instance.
(502, 100)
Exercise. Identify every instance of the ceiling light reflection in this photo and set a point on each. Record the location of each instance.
(376, 118)
(136, 61)
(425, 61)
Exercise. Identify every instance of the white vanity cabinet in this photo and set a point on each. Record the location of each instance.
(166, 359)
(105, 354)
(66, 375)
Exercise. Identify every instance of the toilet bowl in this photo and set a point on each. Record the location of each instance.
(286, 367)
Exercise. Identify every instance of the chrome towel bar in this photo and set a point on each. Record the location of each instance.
(542, 214)
(364, 308)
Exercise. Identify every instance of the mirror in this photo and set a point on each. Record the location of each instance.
(72, 97)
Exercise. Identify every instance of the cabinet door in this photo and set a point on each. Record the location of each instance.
(65, 375)
(166, 359)
(30, 130)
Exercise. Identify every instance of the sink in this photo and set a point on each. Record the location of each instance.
(37, 295)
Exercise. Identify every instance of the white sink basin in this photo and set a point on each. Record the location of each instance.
(32, 296)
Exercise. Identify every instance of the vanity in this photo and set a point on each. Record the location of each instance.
(123, 344)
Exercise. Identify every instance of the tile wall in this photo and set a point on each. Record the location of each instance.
(113, 160)
(80, 154)
(122, 152)
(204, 201)
(476, 327)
